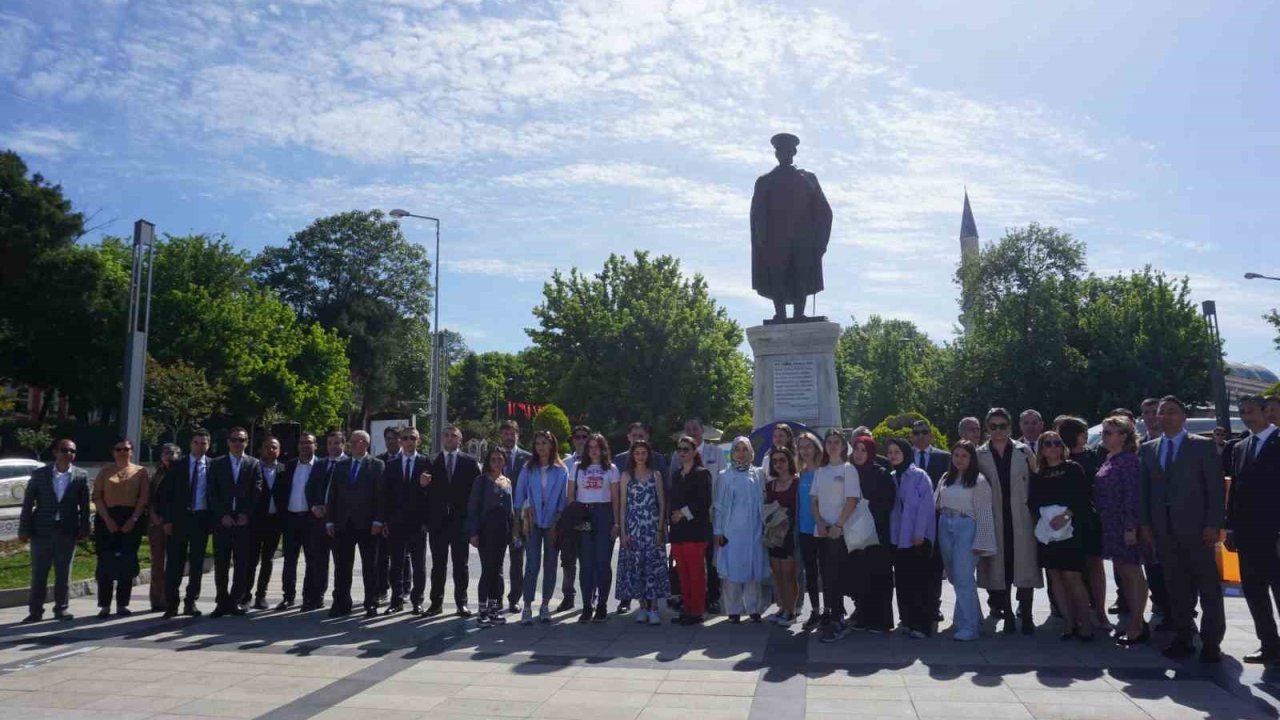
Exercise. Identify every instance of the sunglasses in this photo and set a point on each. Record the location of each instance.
(238, 440)
(997, 426)
(1052, 443)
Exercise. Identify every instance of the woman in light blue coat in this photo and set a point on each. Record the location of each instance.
(741, 559)
(540, 498)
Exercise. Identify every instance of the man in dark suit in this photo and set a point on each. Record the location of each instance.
(390, 441)
(290, 495)
(316, 581)
(235, 485)
(637, 432)
(517, 458)
(1031, 424)
(1253, 525)
(55, 515)
(449, 483)
(932, 460)
(267, 523)
(185, 513)
(353, 519)
(406, 520)
(1182, 507)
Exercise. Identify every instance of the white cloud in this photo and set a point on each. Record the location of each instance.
(45, 142)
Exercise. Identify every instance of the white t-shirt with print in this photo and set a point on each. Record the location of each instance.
(832, 484)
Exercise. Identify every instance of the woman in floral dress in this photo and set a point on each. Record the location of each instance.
(642, 562)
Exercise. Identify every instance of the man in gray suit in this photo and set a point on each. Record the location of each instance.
(55, 514)
(1182, 505)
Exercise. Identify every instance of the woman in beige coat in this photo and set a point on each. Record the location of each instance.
(1008, 464)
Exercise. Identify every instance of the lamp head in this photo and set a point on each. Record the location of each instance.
(398, 213)
(1251, 276)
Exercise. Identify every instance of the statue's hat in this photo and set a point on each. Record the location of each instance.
(786, 140)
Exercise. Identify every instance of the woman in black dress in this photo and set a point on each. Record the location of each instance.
(1062, 482)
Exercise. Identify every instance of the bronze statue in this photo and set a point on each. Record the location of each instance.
(790, 229)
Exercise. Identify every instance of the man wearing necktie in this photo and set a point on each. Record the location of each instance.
(235, 488)
(315, 582)
(353, 519)
(184, 510)
(1253, 524)
(1182, 508)
(517, 458)
(449, 483)
(406, 520)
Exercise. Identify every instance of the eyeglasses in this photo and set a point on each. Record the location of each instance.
(1052, 443)
(123, 448)
(238, 440)
(998, 426)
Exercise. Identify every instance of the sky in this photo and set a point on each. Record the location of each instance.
(550, 134)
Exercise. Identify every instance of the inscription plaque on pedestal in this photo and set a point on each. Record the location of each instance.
(795, 388)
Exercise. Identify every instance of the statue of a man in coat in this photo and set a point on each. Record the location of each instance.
(790, 229)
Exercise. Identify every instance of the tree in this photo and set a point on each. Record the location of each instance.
(355, 272)
(899, 426)
(480, 384)
(35, 218)
(1273, 318)
(638, 340)
(179, 394)
(885, 367)
(552, 419)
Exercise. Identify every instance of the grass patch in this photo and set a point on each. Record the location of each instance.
(15, 562)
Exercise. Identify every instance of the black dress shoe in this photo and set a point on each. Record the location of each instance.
(1179, 650)
(63, 615)
(1010, 627)
(1165, 624)
(218, 612)
(624, 607)
(124, 612)
(1210, 655)
(394, 608)
(585, 617)
(32, 618)
(1262, 657)
(1114, 609)
(260, 604)
(192, 611)
(238, 610)
(308, 607)
(104, 613)
(434, 609)
(513, 609)
(336, 612)
(417, 609)
(371, 612)
(463, 611)
(284, 605)
(565, 605)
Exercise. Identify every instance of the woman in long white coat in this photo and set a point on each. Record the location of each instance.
(741, 558)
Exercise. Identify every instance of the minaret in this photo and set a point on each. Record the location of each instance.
(968, 253)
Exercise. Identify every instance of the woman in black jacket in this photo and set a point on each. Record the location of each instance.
(871, 583)
(690, 529)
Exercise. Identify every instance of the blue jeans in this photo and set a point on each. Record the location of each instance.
(595, 556)
(539, 554)
(955, 540)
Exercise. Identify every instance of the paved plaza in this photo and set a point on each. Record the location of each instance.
(290, 665)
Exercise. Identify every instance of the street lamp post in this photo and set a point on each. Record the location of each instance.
(437, 354)
(1257, 276)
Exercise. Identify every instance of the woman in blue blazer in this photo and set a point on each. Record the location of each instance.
(540, 498)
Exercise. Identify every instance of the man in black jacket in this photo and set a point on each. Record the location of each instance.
(353, 519)
(55, 515)
(453, 472)
(406, 520)
(316, 581)
(267, 523)
(235, 484)
(391, 441)
(292, 502)
(184, 510)
(1253, 525)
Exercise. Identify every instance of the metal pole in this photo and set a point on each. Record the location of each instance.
(437, 386)
(135, 361)
(1217, 378)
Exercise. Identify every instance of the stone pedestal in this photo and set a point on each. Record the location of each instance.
(795, 374)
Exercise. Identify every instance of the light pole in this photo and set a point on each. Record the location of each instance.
(1256, 276)
(437, 353)
(135, 354)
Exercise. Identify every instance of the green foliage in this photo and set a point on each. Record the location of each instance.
(638, 340)
(899, 426)
(883, 367)
(1273, 318)
(36, 439)
(35, 219)
(741, 425)
(553, 419)
(179, 394)
(481, 383)
(355, 272)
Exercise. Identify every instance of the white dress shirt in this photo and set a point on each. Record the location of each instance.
(269, 476)
(298, 492)
(61, 481)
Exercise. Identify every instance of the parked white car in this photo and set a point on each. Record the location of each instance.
(14, 474)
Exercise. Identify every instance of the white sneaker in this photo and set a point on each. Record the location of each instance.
(526, 617)
(654, 618)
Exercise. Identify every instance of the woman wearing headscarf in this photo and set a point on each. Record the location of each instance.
(914, 527)
(741, 560)
(871, 570)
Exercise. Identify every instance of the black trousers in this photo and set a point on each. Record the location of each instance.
(1260, 581)
(832, 560)
(385, 562)
(265, 534)
(872, 586)
(408, 543)
(232, 563)
(1156, 585)
(186, 549)
(117, 557)
(569, 566)
(713, 576)
(449, 542)
(516, 596)
(345, 543)
(318, 545)
(495, 544)
(295, 536)
(809, 552)
(912, 573)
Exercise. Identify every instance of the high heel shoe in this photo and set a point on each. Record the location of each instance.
(1144, 637)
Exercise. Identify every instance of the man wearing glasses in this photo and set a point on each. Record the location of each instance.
(1008, 465)
(55, 515)
(235, 488)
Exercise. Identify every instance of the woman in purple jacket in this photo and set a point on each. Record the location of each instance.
(913, 527)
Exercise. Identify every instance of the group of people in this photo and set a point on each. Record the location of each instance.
(704, 535)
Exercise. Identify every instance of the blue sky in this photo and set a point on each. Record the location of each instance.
(547, 135)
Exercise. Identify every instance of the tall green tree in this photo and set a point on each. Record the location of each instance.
(355, 272)
(639, 340)
(481, 383)
(178, 395)
(886, 367)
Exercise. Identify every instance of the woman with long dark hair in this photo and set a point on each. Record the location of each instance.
(120, 493)
(642, 562)
(540, 498)
(966, 531)
(781, 488)
(595, 484)
(834, 496)
(690, 511)
(491, 526)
